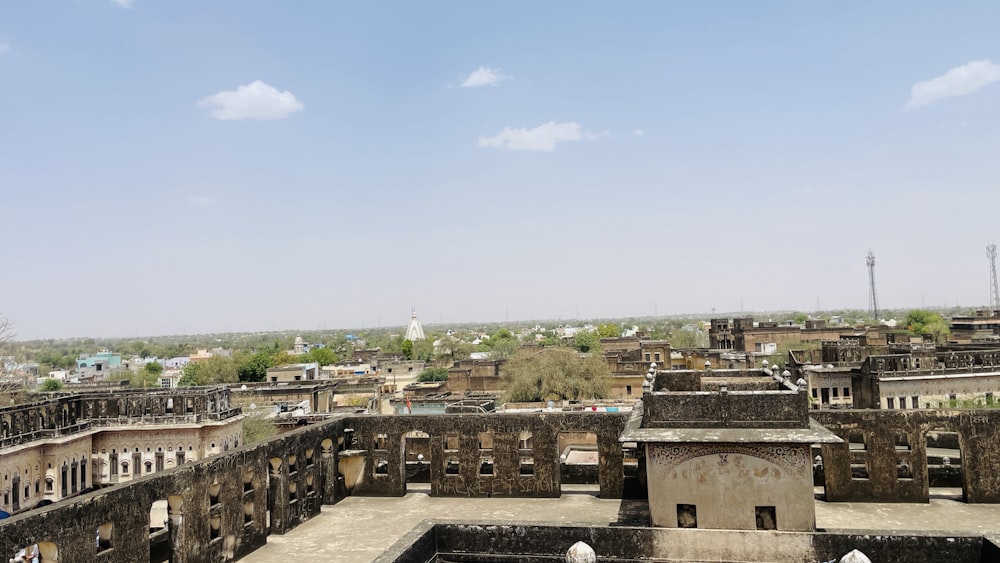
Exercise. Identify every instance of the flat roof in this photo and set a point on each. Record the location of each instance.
(815, 434)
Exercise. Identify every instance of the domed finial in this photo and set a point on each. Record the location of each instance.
(580, 552)
(855, 556)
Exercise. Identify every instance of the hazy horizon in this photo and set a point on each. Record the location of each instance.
(191, 168)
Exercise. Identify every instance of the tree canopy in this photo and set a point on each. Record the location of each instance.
(50, 385)
(586, 341)
(554, 374)
(217, 369)
(608, 330)
(921, 321)
(433, 374)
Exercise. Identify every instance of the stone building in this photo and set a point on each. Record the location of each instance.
(701, 447)
(764, 337)
(945, 378)
(62, 446)
(468, 376)
(629, 359)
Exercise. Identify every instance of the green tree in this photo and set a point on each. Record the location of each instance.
(586, 341)
(504, 348)
(51, 385)
(609, 330)
(553, 374)
(921, 321)
(407, 349)
(686, 337)
(423, 350)
(254, 367)
(451, 350)
(322, 356)
(256, 428)
(215, 370)
(433, 374)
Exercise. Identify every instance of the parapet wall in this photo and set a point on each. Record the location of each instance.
(733, 409)
(890, 449)
(487, 542)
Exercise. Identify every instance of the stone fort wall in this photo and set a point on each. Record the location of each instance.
(223, 507)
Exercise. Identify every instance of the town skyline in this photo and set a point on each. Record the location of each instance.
(178, 167)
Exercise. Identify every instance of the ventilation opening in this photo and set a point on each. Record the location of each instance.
(687, 516)
(527, 466)
(765, 518)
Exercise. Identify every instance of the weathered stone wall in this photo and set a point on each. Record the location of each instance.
(219, 507)
(738, 409)
(485, 542)
(383, 439)
(882, 454)
(225, 506)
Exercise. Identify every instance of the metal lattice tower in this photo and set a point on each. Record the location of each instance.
(872, 294)
(991, 253)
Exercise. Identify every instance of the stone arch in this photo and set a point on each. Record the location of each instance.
(416, 458)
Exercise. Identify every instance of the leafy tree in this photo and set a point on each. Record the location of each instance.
(921, 321)
(608, 330)
(423, 350)
(217, 369)
(688, 338)
(322, 356)
(407, 349)
(51, 385)
(451, 350)
(256, 428)
(585, 341)
(504, 348)
(433, 374)
(190, 375)
(254, 368)
(554, 373)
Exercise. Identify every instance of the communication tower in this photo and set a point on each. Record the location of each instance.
(991, 253)
(872, 294)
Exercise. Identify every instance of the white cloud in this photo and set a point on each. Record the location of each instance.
(201, 200)
(256, 100)
(638, 132)
(959, 81)
(485, 76)
(542, 138)
(127, 4)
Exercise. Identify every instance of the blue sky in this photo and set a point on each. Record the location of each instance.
(170, 167)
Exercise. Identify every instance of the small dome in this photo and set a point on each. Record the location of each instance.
(580, 552)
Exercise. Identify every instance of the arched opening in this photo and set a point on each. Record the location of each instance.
(104, 537)
(416, 461)
(578, 462)
(41, 551)
(160, 546)
(945, 477)
(818, 472)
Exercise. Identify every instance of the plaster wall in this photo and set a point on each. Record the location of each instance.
(707, 477)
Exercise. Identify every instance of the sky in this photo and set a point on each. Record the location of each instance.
(191, 167)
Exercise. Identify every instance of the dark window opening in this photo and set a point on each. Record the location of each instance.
(486, 467)
(527, 466)
(765, 518)
(687, 516)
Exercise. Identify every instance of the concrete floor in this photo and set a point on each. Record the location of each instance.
(358, 529)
